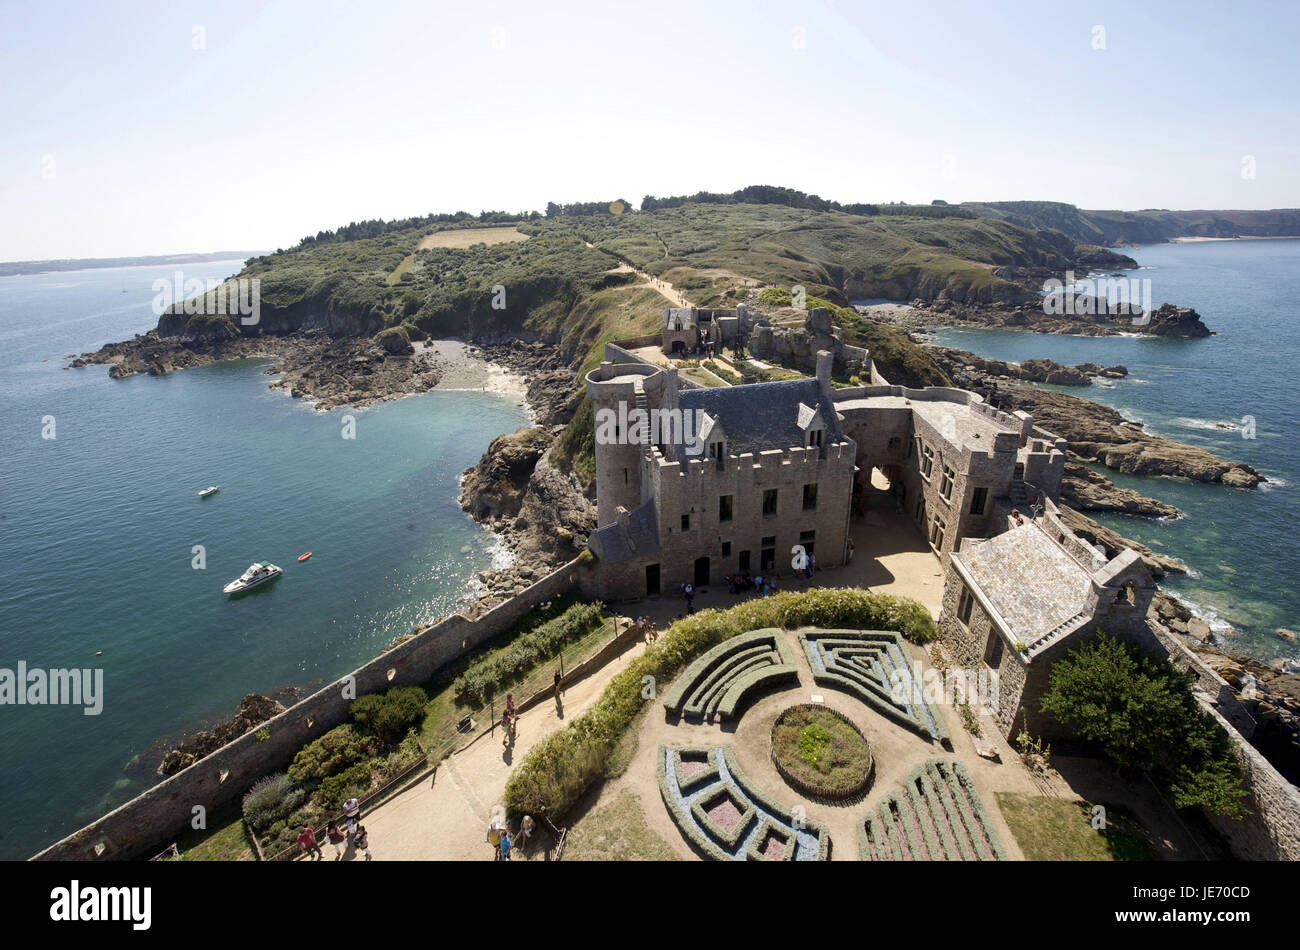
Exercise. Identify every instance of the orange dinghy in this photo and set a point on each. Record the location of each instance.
(303, 557)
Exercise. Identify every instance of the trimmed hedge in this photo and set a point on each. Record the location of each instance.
(560, 768)
(943, 799)
(866, 680)
(510, 664)
(756, 807)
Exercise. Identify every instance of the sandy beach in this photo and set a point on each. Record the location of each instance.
(463, 369)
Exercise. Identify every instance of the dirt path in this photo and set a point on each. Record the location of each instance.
(445, 817)
(665, 289)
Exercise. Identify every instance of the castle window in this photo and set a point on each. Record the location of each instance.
(815, 438)
(769, 502)
(945, 483)
(979, 500)
(810, 497)
(726, 549)
(809, 540)
(1127, 595)
(686, 522)
(936, 532)
(767, 554)
(965, 603)
(993, 651)
(927, 461)
(725, 507)
(624, 476)
(717, 450)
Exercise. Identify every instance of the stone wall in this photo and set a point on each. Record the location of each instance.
(137, 828)
(1271, 832)
(692, 490)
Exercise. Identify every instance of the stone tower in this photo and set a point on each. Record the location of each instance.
(616, 390)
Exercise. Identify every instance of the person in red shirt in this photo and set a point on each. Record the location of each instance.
(307, 844)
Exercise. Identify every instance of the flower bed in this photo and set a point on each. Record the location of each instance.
(821, 753)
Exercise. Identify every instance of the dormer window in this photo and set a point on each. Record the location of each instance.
(717, 451)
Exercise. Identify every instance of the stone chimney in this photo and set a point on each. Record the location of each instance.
(824, 363)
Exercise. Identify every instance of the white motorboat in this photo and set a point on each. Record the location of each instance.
(256, 574)
(210, 490)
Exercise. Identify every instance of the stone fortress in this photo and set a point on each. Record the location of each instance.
(785, 464)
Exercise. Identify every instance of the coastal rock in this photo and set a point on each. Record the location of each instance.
(333, 372)
(254, 709)
(1112, 542)
(494, 488)
(1168, 320)
(1086, 490)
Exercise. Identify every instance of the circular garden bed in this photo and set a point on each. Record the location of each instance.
(820, 752)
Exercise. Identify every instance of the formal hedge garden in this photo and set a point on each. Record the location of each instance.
(725, 817)
(873, 666)
(564, 765)
(935, 816)
(715, 686)
(821, 753)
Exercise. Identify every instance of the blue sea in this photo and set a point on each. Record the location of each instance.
(100, 525)
(1242, 546)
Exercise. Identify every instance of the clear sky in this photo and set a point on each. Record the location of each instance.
(167, 127)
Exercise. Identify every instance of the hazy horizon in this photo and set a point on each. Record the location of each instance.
(147, 130)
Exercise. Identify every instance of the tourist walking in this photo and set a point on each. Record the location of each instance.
(494, 839)
(352, 812)
(336, 837)
(690, 598)
(362, 841)
(850, 560)
(505, 845)
(307, 844)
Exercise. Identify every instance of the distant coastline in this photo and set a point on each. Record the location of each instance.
(15, 268)
(1248, 237)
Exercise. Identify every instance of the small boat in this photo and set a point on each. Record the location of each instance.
(303, 557)
(210, 490)
(256, 574)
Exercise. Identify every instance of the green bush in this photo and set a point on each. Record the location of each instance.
(264, 803)
(335, 790)
(331, 753)
(1141, 711)
(388, 716)
(560, 768)
(501, 668)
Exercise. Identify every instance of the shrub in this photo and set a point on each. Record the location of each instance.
(499, 669)
(1141, 710)
(336, 750)
(557, 770)
(264, 802)
(337, 789)
(388, 716)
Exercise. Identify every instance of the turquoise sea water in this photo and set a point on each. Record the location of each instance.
(1242, 546)
(98, 527)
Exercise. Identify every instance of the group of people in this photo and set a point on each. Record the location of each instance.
(742, 583)
(336, 836)
(499, 837)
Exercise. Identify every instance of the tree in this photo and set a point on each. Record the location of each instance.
(1139, 708)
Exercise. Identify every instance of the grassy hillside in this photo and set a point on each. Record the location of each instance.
(834, 254)
(1110, 228)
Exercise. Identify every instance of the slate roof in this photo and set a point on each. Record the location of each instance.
(764, 416)
(613, 544)
(1029, 580)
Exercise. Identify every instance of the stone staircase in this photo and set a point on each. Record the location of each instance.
(1063, 628)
